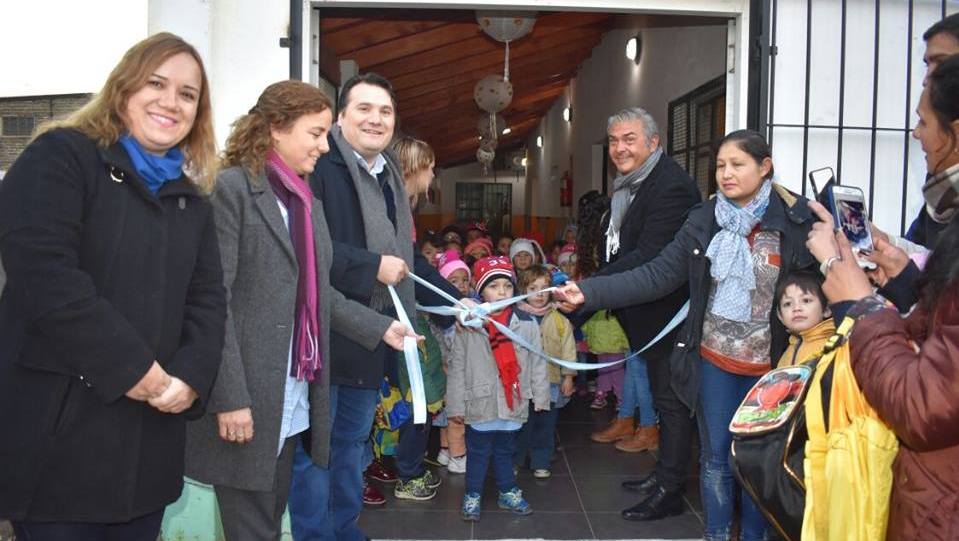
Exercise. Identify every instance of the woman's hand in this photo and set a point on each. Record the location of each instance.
(395, 334)
(845, 281)
(567, 387)
(151, 385)
(236, 426)
(890, 259)
(570, 297)
(177, 397)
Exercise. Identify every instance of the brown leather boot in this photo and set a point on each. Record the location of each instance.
(621, 427)
(645, 438)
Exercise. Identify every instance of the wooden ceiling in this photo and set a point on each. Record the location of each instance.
(434, 59)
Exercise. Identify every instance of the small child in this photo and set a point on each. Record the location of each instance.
(803, 309)
(536, 437)
(489, 386)
(452, 452)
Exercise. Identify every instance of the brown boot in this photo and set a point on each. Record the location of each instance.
(645, 438)
(621, 427)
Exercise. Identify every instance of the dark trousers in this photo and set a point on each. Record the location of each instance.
(676, 425)
(537, 438)
(481, 448)
(411, 448)
(256, 515)
(145, 528)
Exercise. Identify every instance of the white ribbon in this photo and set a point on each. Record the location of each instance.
(475, 317)
(412, 355)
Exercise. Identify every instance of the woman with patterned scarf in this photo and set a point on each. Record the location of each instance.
(272, 392)
(732, 251)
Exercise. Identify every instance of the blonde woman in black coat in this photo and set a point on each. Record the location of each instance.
(111, 320)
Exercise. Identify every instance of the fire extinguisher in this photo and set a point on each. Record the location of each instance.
(566, 190)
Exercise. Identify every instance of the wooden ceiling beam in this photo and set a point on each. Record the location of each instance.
(438, 38)
(474, 71)
(546, 25)
(436, 120)
(373, 32)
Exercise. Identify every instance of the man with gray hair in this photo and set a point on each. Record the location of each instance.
(652, 195)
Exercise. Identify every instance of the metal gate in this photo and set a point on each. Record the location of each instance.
(835, 83)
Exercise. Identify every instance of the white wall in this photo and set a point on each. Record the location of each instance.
(674, 61)
(65, 46)
(473, 172)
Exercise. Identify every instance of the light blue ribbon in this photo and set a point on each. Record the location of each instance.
(412, 355)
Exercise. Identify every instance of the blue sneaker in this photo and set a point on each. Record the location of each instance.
(471, 507)
(513, 500)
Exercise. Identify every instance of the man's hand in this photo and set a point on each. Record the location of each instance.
(236, 426)
(177, 397)
(570, 297)
(392, 270)
(395, 334)
(151, 385)
(567, 387)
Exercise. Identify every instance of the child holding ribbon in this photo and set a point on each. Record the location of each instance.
(536, 438)
(489, 386)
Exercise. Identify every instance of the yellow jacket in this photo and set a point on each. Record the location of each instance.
(557, 334)
(808, 344)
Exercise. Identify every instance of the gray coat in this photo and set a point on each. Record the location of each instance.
(260, 273)
(473, 388)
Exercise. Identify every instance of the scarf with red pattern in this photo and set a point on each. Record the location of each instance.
(505, 355)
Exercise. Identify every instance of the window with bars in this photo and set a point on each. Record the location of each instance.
(697, 121)
(18, 126)
(838, 85)
(486, 202)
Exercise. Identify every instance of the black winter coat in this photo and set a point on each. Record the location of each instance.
(354, 272)
(684, 260)
(654, 217)
(103, 278)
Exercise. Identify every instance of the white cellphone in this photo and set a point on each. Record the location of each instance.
(849, 211)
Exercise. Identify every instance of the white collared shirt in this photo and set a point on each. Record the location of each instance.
(378, 164)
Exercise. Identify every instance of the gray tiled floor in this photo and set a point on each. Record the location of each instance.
(582, 500)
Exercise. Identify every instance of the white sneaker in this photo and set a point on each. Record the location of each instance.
(443, 457)
(457, 464)
(541, 474)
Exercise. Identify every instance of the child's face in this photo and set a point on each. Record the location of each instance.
(502, 246)
(429, 252)
(460, 281)
(569, 266)
(479, 253)
(799, 310)
(540, 300)
(497, 290)
(523, 261)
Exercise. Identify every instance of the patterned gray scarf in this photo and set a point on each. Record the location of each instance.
(941, 193)
(728, 252)
(624, 188)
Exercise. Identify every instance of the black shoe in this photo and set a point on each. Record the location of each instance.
(646, 485)
(660, 504)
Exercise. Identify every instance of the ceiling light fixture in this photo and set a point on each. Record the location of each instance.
(539, 141)
(567, 114)
(634, 48)
(507, 131)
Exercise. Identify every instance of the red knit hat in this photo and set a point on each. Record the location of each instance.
(488, 269)
(481, 242)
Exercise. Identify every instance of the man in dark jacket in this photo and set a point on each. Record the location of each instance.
(649, 205)
(371, 226)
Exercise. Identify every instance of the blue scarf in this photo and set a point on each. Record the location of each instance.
(154, 170)
(732, 264)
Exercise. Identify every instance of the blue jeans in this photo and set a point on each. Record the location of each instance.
(325, 503)
(636, 393)
(411, 449)
(480, 448)
(537, 437)
(720, 393)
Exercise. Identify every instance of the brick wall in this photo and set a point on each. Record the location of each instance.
(41, 109)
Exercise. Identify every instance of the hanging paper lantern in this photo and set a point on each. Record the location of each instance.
(485, 156)
(490, 126)
(505, 26)
(493, 93)
(489, 144)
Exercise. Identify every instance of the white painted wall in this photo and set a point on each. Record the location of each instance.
(674, 62)
(473, 172)
(65, 46)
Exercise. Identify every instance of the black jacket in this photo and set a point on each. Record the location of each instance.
(354, 271)
(654, 217)
(684, 260)
(103, 277)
